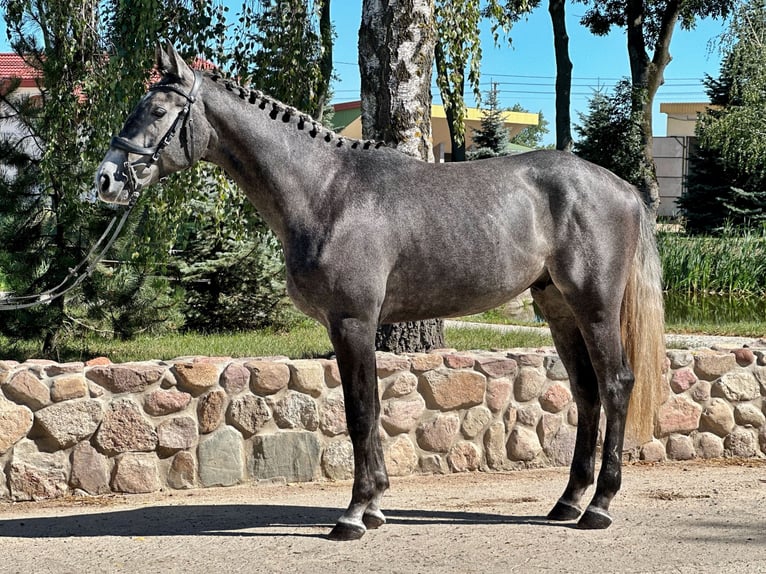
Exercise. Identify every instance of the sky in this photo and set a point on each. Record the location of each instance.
(525, 70)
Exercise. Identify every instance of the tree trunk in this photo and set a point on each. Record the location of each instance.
(457, 147)
(396, 48)
(326, 35)
(557, 11)
(647, 76)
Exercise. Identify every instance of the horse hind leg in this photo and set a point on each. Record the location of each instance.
(353, 341)
(573, 352)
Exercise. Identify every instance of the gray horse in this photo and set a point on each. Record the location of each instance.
(372, 236)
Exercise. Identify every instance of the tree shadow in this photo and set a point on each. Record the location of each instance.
(231, 520)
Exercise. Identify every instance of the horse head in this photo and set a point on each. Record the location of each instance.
(165, 133)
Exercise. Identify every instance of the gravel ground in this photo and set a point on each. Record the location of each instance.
(696, 517)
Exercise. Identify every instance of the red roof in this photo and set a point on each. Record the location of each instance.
(13, 66)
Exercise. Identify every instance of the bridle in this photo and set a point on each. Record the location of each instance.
(183, 119)
(86, 267)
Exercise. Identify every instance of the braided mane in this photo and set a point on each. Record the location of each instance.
(286, 113)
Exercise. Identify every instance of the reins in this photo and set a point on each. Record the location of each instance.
(85, 268)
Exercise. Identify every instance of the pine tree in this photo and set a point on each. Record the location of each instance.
(491, 139)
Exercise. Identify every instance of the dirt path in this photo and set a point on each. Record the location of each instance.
(682, 518)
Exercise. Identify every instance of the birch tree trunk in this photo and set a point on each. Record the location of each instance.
(396, 50)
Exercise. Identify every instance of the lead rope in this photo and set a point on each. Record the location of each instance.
(78, 273)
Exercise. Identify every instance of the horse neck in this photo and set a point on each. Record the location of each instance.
(285, 172)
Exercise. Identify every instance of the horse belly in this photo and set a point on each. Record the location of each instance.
(445, 290)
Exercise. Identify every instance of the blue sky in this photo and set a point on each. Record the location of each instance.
(526, 70)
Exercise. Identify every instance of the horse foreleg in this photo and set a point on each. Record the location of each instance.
(354, 341)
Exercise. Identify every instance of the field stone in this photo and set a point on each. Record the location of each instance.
(495, 367)
(523, 444)
(70, 422)
(124, 429)
(331, 373)
(333, 415)
(135, 473)
(742, 443)
(307, 376)
(554, 369)
(555, 398)
(652, 451)
(736, 386)
(15, 422)
(89, 470)
(178, 433)
(163, 402)
(399, 384)
(182, 471)
(708, 445)
(451, 390)
(127, 378)
(560, 447)
(296, 410)
(26, 389)
(749, 414)
(220, 458)
(268, 377)
(338, 460)
(682, 380)
(680, 447)
(494, 445)
(710, 366)
(529, 384)
(196, 378)
(498, 394)
(295, 456)
(438, 434)
(248, 413)
(464, 457)
(680, 358)
(210, 411)
(678, 415)
(475, 421)
(401, 415)
(400, 456)
(235, 379)
(69, 387)
(717, 418)
(36, 475)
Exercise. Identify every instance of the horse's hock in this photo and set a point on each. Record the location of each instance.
(197, 422)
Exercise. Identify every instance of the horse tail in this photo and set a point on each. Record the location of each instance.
(642, 321)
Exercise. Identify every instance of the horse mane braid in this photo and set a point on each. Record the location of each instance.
(278, 109)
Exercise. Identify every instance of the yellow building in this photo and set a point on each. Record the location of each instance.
(348, 122)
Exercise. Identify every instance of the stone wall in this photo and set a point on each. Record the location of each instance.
(195, 422)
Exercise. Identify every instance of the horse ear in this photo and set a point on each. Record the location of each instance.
(170, 63)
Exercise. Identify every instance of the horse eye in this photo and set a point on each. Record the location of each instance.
(159, 112)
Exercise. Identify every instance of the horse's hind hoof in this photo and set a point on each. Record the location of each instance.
(347, 531)
(594, 519)
(373, 519)
(564, 511)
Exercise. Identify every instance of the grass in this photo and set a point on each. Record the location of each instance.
(306, 341)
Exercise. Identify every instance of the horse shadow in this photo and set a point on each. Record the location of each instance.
(230, 520)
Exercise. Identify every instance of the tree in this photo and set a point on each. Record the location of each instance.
(610, 133)
(285, 48)
(649, 25)
(531, 136)
(458, 48)
(557, 11)
(727, 176)
(491, 139)
(396, 47)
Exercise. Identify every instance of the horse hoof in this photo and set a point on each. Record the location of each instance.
(346, 531)
(373, 519)
(564, 511)
(594, 519)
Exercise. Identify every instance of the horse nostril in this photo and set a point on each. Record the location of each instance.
(105, 183)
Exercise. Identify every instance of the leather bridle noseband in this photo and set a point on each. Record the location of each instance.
(86, 267)
(183, 119)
